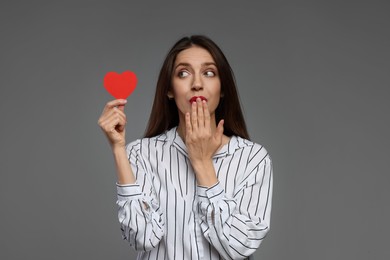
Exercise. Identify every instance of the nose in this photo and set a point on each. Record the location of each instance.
(197, 83)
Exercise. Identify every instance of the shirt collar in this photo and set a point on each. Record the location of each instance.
(173, 138)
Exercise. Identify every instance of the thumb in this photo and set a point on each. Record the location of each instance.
(219, 131)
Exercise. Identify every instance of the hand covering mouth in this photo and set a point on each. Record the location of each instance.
(193, 99)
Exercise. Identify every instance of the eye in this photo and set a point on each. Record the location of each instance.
(182, 74)
(209, 73)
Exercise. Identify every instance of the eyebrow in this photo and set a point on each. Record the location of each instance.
(189, 65)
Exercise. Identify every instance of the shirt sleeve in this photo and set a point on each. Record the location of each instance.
(236, 226)
(139, 216)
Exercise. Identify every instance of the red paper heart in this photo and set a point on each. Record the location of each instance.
(120, 85)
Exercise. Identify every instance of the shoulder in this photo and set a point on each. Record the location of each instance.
(255, 152)
(242, 143)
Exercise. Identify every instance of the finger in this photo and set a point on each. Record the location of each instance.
(199, 107)
(188, 125)
(194, 118)
(108, 126)
(121, 108)
(114, 112)
(108, 107)
(114, 103)
(119, 112)
(121, 121)
(114, 124)
(206, 113)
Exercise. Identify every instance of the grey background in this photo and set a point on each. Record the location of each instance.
(313, 79)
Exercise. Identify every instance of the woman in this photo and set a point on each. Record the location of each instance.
(195, 187)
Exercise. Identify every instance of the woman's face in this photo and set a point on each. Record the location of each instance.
(195, 74)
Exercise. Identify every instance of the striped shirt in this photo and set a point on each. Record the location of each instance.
(166, 215)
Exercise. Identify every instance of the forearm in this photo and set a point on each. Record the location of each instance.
(123, 169)
(140, 219)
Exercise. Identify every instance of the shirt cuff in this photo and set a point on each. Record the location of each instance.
(128, 191)
(211, 194)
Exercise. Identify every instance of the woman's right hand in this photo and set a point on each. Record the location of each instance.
(113, 121)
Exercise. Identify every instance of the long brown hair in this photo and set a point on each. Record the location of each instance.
(165, 114)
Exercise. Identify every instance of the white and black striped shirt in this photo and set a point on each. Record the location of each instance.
(166, 215)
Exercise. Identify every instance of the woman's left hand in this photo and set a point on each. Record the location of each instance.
(201, 142)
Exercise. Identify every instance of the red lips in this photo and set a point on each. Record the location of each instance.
(193, 99)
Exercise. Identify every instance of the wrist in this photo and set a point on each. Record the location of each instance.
(118, 149)
(205, 173)
(202, 165)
